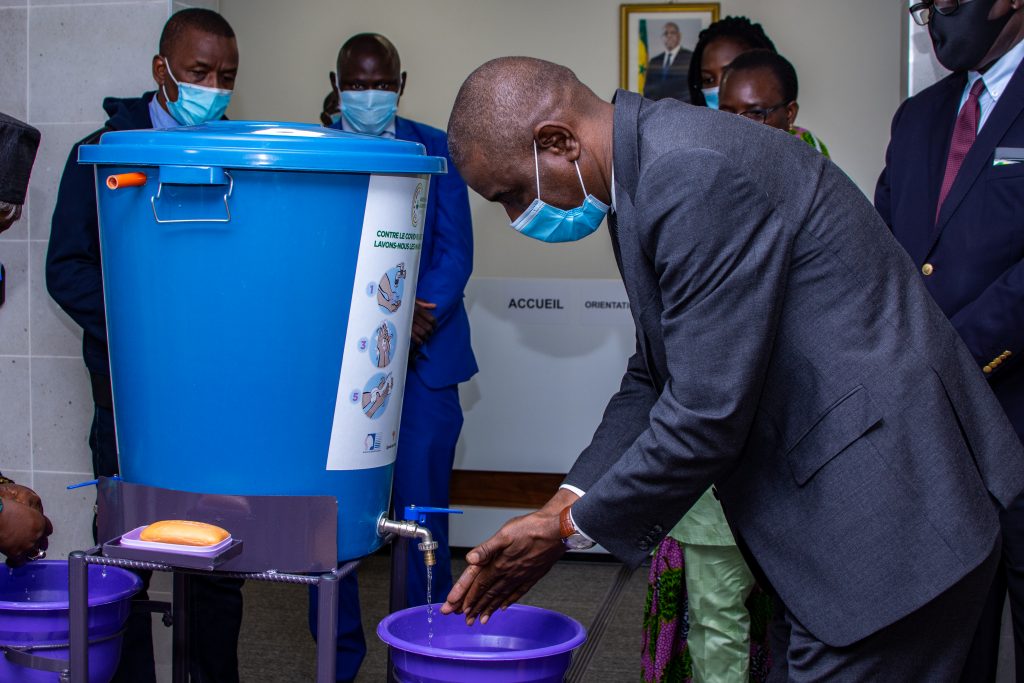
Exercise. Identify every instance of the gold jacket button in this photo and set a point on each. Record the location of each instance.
(927, 269)
(987, 369)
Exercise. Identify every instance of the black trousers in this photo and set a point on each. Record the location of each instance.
(1009, 581)
(215, 616)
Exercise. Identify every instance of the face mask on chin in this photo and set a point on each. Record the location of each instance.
(962, 39)
(547, 223)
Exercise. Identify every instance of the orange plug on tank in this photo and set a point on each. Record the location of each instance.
(116, 182)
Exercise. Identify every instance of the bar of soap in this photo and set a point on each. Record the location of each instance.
(183, 532)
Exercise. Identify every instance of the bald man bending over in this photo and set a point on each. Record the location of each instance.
(787, 353)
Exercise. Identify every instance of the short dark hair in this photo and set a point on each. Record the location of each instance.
(780, 68)
(491, 112)
(739, 29)
(204, 20)
(373, 44)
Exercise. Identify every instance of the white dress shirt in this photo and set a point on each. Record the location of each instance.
(159, 116)
(670, 58)
(996, 79)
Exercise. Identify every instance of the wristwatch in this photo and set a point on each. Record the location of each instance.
(571, 536)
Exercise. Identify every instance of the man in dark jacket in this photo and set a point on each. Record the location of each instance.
(667, 71)
(23, 526)
(952, 193)
(18, 145)
(195, 71)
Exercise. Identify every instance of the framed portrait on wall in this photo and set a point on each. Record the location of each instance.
(655, 46)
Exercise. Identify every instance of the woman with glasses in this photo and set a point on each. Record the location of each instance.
(761, 85)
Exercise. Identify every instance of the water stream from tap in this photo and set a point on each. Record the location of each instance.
(430, 608)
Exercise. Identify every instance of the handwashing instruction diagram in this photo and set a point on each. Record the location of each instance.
(376, 395)
(383, 348)
(391, 288)
(368, 409)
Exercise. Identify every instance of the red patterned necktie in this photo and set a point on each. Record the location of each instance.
(964, 132)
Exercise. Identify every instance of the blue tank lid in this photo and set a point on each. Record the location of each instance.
(269, 145)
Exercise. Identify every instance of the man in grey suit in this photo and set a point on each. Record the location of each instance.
(787, 353)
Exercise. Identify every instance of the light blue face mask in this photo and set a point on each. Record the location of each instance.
(369, 111)
(711, 97)
(196, 104)
(546, 223)
(335, 117)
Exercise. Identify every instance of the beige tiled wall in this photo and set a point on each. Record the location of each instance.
(58, 60)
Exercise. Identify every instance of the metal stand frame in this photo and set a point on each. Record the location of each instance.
(78, 572)
(286, 539)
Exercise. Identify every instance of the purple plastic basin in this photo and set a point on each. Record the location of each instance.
(519, 645)
(34, 611)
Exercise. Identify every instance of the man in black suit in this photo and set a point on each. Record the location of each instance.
(953, 194)
(787, 352)
(667, 72)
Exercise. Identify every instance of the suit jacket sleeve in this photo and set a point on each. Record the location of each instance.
(994, 322)
(626, 417)
(444, 280)
(74, 275)
(883, 191)
(721, 260)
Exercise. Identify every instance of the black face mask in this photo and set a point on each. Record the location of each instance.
(962, 39)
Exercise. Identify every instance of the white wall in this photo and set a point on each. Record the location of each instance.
(847, 55)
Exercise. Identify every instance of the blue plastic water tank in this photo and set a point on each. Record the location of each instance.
(259, 284)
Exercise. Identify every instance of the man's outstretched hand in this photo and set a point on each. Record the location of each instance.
(24, 529)
(504, 567)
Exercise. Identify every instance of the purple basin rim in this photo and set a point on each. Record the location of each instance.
(579, 634)
(132, 585)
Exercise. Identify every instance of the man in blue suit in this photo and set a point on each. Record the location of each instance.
(953, 194)
(368, 84)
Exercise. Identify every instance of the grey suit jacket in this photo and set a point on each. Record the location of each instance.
(788, 352)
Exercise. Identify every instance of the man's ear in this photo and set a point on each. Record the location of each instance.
(159, 70)
(165, 87)
(558, 138)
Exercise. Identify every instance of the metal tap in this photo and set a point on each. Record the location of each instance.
(410, 529)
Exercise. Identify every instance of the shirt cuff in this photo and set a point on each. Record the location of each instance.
(570, 487)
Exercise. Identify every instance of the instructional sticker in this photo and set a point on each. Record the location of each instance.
(368, 409)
